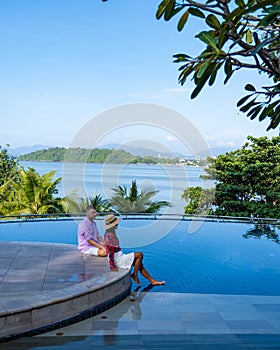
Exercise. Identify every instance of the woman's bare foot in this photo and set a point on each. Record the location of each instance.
(135, 278)
(157, 283)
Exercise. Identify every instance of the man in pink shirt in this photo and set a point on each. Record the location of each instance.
(89, 240)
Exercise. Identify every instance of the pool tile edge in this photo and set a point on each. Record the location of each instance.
(57, 309)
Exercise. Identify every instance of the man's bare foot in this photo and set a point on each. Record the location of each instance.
(157, 283)
(135, 278)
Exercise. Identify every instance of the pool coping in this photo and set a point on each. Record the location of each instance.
(41, 312)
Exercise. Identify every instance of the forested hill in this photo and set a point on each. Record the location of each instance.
(96, 155)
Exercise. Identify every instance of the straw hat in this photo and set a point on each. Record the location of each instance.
(111, 221)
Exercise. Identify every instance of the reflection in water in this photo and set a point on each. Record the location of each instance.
(261, 230)
(128, 309)
(103, 329)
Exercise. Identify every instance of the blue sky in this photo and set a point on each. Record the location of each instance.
(65, 61)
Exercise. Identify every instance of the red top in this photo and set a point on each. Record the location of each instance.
(112, 245)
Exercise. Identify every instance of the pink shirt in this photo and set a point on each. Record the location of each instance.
(87, 230)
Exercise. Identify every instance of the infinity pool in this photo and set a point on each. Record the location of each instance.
(219, 258)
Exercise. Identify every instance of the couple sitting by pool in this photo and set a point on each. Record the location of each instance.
(90, 242)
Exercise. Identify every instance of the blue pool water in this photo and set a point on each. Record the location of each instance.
(216, 259)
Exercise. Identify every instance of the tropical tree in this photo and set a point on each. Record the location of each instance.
(199, 200)
(133, 200)
(75, 203)
(239, 34)
(247, 180)
(9, 166)
(30, 193)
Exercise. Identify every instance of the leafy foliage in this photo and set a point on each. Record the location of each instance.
(30, 193)
(96, 155)
(133, 200)
(248, 179)
(8, 166)
(199, 200)
(77, 154)
(240, 34)
(77, 204)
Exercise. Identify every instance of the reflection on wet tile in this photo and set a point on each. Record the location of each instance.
(251, 326)
(151, 341)
(267, 307)
(164, 313)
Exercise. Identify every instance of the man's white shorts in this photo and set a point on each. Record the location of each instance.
(92, 251)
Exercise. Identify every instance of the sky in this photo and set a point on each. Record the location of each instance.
(64, 62)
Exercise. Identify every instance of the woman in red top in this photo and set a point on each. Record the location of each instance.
(118, 259)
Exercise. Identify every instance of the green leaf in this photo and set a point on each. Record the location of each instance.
(254, 109)
(263, 114)
(181, 55)
(250, 87)
(240, 3)
(222, 37)
(268, 19)
(161, 8)
(217, 66)
(183, 21)
(275, 116)
(229, 75)
(238, 12)
(201, 82)
(169, 10)
(248, 36)
(273, 9)
(248, 105)
(183, 75)
(202, 68)
(208, 38)
(183, 66)
(213, 22)
(267, 110)
(243, 100)
(228, 67)
(261, 45)
(256, 112)
(196, 12)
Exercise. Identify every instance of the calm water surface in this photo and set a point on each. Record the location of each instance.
(170, 181)
(219, 258)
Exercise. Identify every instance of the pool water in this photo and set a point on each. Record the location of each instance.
(219, 258)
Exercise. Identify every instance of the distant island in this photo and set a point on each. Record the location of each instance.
(97, 155)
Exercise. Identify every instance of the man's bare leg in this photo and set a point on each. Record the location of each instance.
(102, 252)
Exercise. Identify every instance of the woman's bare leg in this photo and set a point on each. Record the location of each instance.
(146, 274)
(138, 266)
(137, 263)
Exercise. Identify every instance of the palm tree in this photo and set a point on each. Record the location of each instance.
(77, 204)
(30, 193)
(134, 201)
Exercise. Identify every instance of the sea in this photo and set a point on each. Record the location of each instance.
(169, 181)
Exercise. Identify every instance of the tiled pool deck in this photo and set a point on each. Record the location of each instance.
(50, 283)
(44, 286)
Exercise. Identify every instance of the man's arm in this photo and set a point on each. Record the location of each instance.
(94, 243)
